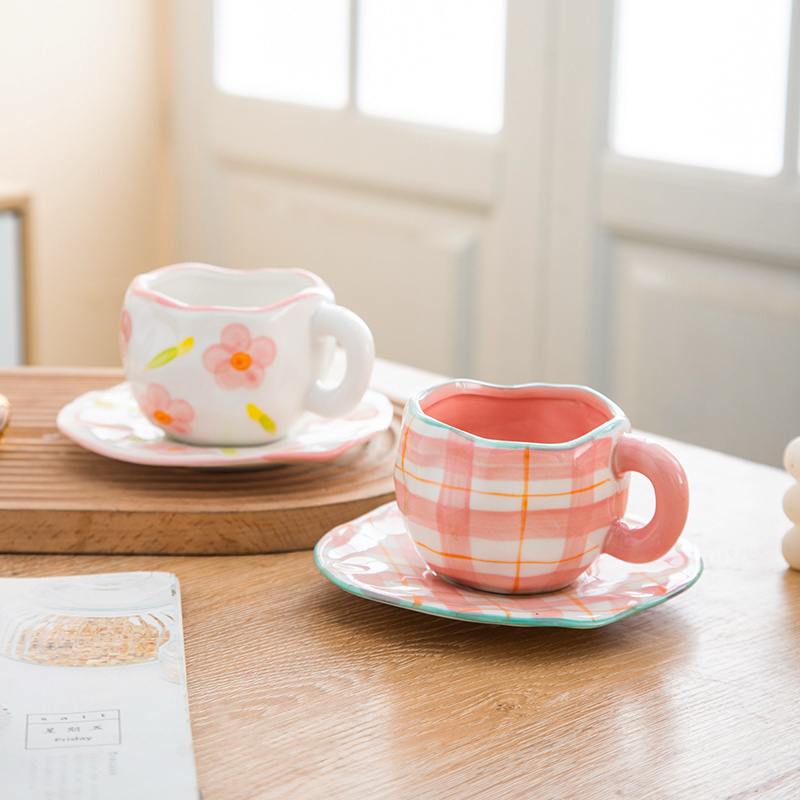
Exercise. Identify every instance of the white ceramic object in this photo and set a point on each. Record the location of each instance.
(109, 422)
(374, 557)
(5, 414)
(233, 357)
(791, 504)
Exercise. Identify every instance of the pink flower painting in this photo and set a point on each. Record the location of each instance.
(239, 360)
(160, 408)
(125, 330)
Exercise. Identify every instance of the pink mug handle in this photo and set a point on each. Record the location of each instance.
(663, 470)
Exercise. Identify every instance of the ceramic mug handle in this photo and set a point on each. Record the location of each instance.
(663, 470)
(355, 338)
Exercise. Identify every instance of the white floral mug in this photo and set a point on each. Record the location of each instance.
(232, 358)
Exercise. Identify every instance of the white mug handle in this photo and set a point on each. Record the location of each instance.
(356, 339)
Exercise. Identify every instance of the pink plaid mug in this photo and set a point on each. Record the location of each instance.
(518, 489)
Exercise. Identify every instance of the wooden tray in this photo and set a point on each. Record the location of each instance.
(57, 497)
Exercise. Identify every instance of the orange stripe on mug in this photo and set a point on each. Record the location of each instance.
(524, 520)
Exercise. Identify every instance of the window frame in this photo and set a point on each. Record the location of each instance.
(441, 164)
(734, 212)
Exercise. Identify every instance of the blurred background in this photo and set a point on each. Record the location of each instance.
(580, 191)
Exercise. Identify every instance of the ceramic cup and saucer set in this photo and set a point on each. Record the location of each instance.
(510, 500)
(229, 369)
(510, 509)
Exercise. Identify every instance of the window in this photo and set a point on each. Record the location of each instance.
(703, 82)
(430, 62)
(293, 50)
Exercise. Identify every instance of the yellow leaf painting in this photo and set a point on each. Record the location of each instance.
(165, 356)
(254, 412)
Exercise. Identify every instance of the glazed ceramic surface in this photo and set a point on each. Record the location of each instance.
(791, 504)
(521, 488)
(5, 414)
(374, 557)
(233, 358)
(110, 422)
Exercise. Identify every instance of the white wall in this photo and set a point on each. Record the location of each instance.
(82, 128)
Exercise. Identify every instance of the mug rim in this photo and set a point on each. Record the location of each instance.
(459, 385)
(141, 286)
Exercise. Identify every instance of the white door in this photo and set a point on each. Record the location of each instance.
(676, 216)
(571, 245)
(428, 231)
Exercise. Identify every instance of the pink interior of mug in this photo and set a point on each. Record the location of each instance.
(539, 414)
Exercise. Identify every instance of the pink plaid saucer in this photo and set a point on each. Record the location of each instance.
(374, 557)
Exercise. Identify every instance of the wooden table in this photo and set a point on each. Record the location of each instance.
(300, 690)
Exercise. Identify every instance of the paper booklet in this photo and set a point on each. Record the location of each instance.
(93, 701)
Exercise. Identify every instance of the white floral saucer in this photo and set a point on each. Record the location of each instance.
(110, 422)
(374, 557)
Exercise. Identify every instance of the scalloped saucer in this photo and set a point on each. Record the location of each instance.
(110, 423)
(374, 557)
